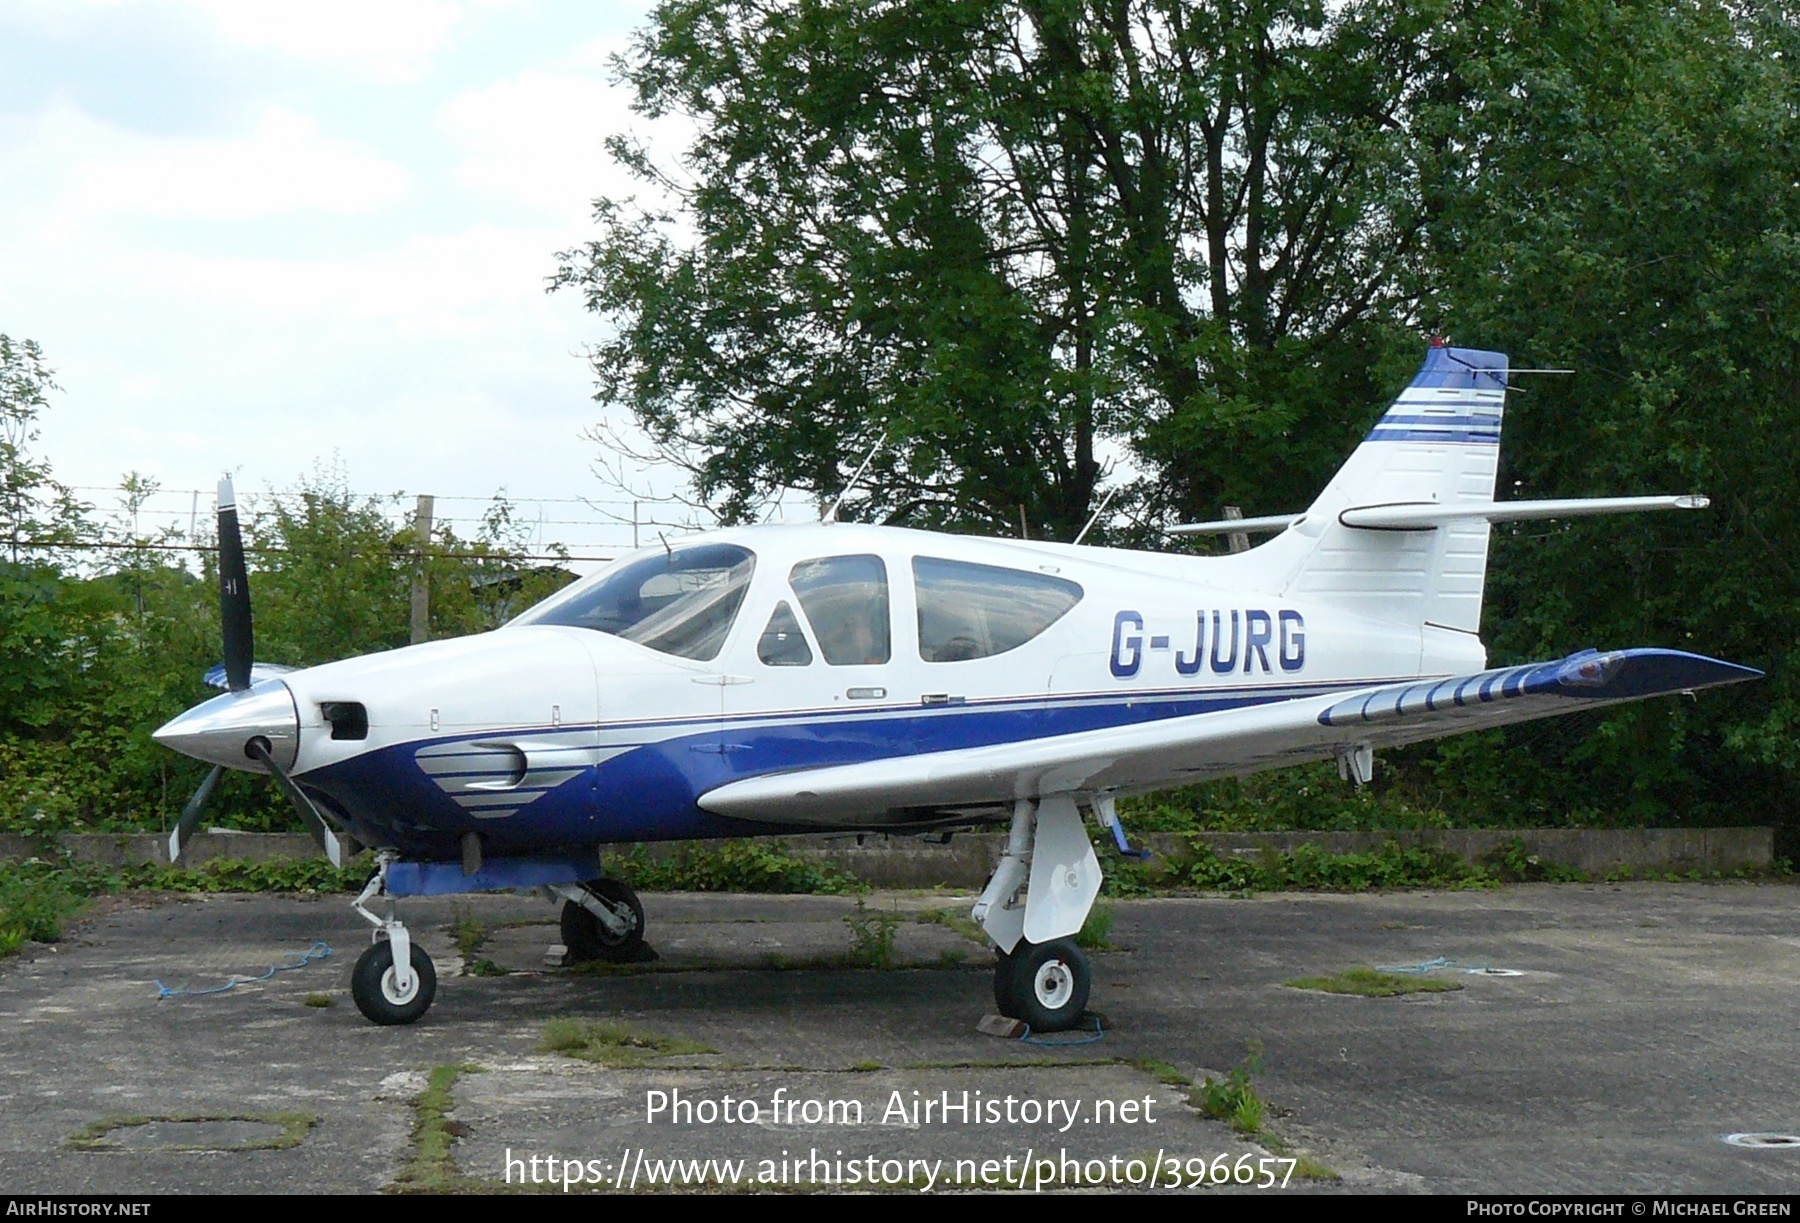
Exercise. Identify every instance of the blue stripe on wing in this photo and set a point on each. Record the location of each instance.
(1620, 675)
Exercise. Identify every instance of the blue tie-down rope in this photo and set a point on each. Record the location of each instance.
(318, 951)
(1432, 965)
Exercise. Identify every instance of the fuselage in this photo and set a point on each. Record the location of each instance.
(605, 713)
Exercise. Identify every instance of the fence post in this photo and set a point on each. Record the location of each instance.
(421, 588)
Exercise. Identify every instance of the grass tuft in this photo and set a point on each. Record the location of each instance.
(432, 1168)
(294, 1128)
(611, 1044)
(1371, 983)
(1309, 1169)
(956, 920)
(1233, 1099)
(1162, 1072)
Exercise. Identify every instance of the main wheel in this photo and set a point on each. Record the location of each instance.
(1006, 999)
(1047, 983)
(379, 998)
(587, 939)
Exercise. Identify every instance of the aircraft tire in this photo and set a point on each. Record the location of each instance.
(372, 985)
(587, 939)
(1047, 982)
(1006, 998)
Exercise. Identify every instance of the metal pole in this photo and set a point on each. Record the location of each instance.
(421, 588)
(1239, 540)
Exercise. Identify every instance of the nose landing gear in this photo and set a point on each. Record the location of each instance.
(394, 981)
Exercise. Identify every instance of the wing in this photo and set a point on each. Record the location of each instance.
(1178, 751)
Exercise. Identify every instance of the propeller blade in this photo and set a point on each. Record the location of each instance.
(190, 815)
(338, 851)
(234, 594)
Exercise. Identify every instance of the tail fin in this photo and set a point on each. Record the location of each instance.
(1439, 444)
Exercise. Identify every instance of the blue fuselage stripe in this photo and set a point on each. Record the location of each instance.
(649, 791)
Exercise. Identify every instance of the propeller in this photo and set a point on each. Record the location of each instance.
(239, 671)
(234, 594)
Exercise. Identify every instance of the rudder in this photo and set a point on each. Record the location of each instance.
(1439, 443)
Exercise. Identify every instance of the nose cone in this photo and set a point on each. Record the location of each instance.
(217, 731)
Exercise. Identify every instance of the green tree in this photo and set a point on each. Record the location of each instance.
(1006, 232)
(1629, 211)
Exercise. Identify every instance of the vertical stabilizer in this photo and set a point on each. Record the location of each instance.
(1439, 444)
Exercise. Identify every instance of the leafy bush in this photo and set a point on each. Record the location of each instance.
(1304, 868)
(34, 899)
(730, 866)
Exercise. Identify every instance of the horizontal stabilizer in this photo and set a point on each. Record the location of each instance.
(1230, 742)
(1427, 516)
(1227, 526)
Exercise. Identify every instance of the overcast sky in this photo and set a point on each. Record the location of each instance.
(256, 236)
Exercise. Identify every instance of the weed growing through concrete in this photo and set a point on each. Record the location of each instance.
(1370, 983)
(1307, 1168)
(294, 1127)
(471, 935)
(954, 919)
(871, 936)
(1162, 1072)
(432, 1169)
(611, 1044)
(468, 932)
(319, 1000)
(1233, 1099)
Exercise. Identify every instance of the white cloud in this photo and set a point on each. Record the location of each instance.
(387, 39)
(539, 139)
(285, 164)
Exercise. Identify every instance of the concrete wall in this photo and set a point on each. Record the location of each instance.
(131, 848)
(967, 860)
(911, 862)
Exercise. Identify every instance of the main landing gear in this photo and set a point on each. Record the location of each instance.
(602, 920)
(1044, 984)
(1037, 900)
(394, 981)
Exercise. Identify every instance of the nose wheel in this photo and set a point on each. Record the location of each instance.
(1044, 984)
(394, 981)
(386, 996)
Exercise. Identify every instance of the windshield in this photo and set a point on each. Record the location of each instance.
(681, 603)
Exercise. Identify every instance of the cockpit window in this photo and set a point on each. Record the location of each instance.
(976, 611)
(681, 603)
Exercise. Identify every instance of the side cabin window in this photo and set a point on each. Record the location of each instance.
(782, 644)
(971, 611)
(681, 603)
(846, 602)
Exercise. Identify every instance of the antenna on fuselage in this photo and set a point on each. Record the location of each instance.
(831, 514)
(1104, 502)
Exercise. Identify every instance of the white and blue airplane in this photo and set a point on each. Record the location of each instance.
(839, 677)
